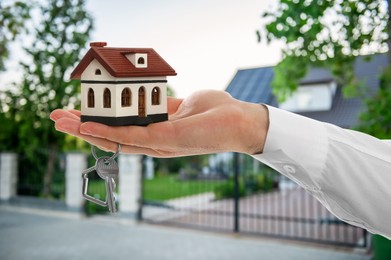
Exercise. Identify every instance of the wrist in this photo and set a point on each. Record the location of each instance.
(256, 125)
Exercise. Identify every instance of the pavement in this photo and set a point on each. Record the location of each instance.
(43, 234)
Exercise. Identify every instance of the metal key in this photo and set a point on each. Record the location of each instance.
(107, 168)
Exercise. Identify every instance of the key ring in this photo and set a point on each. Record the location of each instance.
(111, 158)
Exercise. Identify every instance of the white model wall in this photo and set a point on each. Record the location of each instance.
(116, 109)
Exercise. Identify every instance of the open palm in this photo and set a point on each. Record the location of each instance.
(205, 122)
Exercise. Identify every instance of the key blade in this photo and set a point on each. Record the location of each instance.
(110, 198)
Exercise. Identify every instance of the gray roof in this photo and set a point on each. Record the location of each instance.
(254, 85)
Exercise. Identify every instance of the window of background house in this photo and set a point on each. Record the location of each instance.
(311, 98)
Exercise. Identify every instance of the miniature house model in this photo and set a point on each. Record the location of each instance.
(123, 86)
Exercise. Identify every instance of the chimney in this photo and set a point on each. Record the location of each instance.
(98, 44)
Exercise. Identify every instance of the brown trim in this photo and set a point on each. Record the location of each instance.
(141, 102)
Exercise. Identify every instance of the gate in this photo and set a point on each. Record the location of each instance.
(242, 195)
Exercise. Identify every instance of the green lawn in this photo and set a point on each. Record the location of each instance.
(96, 187)
(168, 187)
(160, 188)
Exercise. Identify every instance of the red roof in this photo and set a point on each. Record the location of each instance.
(116, 63)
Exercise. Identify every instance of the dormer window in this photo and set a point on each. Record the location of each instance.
(311, 97)
(98, 72)
(140, 60)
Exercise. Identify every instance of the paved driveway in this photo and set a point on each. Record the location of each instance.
(37, 234)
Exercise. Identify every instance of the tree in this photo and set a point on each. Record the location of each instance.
(60, 34)
(14, 16)
(332, 33)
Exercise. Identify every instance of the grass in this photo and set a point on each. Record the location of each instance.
(97, 189)
(160, 188)
(169, 187)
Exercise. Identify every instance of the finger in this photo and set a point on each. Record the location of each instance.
(68, 125)
(154, 135)
(173, 104)
(75, 112)
(60, 113)
(72, 126)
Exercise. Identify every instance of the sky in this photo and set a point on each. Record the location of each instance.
(205, 41)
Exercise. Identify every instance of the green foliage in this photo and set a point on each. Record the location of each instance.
(170, 92)
(263, 181)
(376, 120)
(288, 68)
(173, 165)
(332, 33)
(60, 32)
(227, 189)
(97, 189)
(14, 16)
(329, 33)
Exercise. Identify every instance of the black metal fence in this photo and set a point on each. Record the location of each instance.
(242, 195)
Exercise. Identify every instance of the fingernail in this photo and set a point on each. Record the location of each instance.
(61, 129)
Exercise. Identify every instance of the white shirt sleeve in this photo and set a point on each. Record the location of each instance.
(347, 171)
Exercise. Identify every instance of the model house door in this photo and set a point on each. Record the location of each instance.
(141, 102)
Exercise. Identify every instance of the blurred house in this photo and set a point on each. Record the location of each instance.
(318, 95)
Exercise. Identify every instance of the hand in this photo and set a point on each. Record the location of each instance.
(205, 122)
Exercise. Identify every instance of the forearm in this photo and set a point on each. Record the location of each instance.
(347, 171)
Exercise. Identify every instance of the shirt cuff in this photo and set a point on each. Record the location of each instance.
(295, 146)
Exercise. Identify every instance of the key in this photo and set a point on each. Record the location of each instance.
(107, 169)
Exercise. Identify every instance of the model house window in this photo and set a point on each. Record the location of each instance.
(141, 60)
(107, 98)
(98, 72)
(155, 96)
(90, 98)
(126, 98)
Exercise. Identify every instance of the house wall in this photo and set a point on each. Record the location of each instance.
(116, 109)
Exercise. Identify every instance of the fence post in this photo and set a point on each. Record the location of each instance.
(76, 163)
(8, 175)
(130, 174)
(236, 192)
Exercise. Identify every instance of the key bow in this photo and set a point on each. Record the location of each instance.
(107, 168)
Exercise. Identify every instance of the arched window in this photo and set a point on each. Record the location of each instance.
(98, 72)
(141, 60)
(126, 97)
(90, 98)
(156, 96)
(107, 98)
